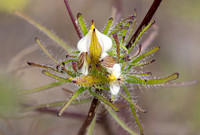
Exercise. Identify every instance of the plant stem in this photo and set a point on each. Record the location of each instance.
(72, 18)
(145, 21)
(92, 111)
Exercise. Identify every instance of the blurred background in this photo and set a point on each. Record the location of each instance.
(171, 111)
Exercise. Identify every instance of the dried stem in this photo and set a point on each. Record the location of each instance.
(145, 21)
(72, 18)
(92, 111)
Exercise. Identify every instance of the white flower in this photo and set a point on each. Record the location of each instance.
(84, 43)
(104, 42)
(115, 79)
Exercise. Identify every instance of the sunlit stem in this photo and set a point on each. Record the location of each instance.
(76, 94)
(72, 18)
(131, 102)
(82, 24)
(133, 110)
(108, 26)
(104, 100)
(141, 34)
(51, 35)
(118, 46)
(45, 50)
(134, 79)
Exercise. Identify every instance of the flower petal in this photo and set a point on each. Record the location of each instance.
(116, 71)
(114, 89)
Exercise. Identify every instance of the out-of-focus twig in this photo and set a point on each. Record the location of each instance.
(116, 12)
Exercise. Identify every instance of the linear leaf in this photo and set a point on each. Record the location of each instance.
(76, 94)
(145, 55)
(51, 35)
(45, 87)
(119, 121)
(45, 50)
(82, 24)
(55, 77)
(133, 110)
(134, 79)
(141, 33)
(108, 26)
(104, 100)
(55, 104)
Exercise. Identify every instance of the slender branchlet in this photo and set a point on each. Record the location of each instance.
(145, 21)
(72, 18)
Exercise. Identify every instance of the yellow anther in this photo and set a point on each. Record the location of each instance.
(92, 25)
(112, 77)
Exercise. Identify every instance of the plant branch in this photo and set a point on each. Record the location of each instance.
(72, 18)
(145, 21)
(92, 111)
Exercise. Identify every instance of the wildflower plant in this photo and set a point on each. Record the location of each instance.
(103, 64)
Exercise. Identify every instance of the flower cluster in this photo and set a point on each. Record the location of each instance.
(93, 60)
(104, 61)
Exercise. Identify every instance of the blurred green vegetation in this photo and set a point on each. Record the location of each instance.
(8, 99)
(9, 6)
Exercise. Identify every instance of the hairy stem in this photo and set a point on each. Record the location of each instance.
(92, 111)
(145, 21)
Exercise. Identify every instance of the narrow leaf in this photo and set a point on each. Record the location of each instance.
(145, 55)
(82, 24)
(45, 50)
(76, 94)
(45, 87)
(55, 104)
(51, 35)
(119, 121)
(133, 110)
(134, 79)
(104, 100)
(55, 77)
(141, 34)
(108, 26)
